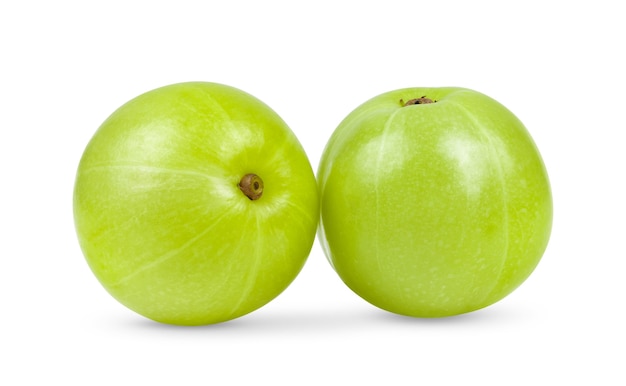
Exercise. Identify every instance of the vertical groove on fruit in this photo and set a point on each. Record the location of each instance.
(173, 253)
(253, 248)
(493, 154)
(378, 171)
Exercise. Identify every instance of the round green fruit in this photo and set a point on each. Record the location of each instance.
(195, 203)
(434, 201)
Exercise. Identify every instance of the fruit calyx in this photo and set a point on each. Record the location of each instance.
(417, 101)
(252, 186)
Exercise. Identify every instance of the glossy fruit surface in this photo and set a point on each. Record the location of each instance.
(195, 203)
(434, 201)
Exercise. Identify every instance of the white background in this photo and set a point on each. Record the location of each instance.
(558, 65)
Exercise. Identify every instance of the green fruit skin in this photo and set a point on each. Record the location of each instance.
(160, 217)
(436, 209)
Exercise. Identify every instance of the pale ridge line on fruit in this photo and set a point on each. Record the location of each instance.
(167, 256)
(301, 211)
(493, 155)
(254, 272)
(208, 99)
(339, 137)
(209, 96)
(147, 168)
(385, 134)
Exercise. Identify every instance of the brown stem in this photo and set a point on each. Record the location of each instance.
(252, 186)
(417, 101)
